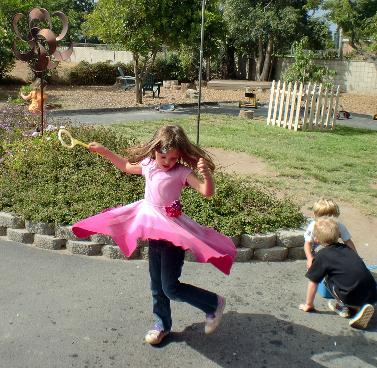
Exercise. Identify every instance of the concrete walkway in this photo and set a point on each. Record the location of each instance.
(60, 311)
(111, 116)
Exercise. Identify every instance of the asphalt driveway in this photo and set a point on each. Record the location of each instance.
(60, 310)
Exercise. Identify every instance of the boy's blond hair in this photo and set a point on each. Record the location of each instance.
(326, 231)
(325, 207)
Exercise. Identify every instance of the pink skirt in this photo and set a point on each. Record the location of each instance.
(142, 220)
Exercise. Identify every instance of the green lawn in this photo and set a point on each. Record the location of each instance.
(340, 164)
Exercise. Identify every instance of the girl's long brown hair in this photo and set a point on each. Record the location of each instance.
(171, 137)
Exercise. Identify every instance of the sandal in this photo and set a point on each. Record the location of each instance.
(154, 337)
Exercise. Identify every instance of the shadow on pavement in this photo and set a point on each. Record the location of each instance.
(261, 340)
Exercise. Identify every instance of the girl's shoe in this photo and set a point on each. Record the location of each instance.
(213, 319)
(362, 317)
(339, 309)
(155, 336)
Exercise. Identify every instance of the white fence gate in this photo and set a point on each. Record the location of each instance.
(303, 107)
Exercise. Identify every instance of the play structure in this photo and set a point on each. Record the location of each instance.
(250, 99)
(302, 107)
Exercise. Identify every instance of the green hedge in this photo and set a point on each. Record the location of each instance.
(43, 181)
(102, 73)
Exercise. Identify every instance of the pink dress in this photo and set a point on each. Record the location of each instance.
(149, 219)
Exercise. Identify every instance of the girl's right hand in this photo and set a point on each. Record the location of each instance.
(97, 148)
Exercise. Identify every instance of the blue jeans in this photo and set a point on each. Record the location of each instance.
(165, 267)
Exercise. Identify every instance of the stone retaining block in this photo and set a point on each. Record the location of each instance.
(3, 231)
(11, 220)
(258, 241)
(102, 239)
(275, 254)
(290, 238)
(86, 248)
(114, 252)
(42, 228)
(48, 242)
(65, 232)
(189, 257)
(244, 254)
(296, 253)
(20, 236)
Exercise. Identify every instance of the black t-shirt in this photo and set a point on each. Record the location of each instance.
(345, 270)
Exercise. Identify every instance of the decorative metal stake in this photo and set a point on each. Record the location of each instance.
(42, 54)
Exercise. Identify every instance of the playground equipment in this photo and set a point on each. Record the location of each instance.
(250, 99)
(305, 107)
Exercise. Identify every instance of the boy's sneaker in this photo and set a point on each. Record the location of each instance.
(337, 308)
(362, 317)
(213, 319)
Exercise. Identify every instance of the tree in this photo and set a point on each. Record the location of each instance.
(358, 20)
(304, 68)
(143, 27)
(263, 27)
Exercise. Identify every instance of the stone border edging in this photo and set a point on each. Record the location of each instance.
(271, 247)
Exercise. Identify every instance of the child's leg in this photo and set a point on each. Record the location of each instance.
(161, 303)
(172, 259)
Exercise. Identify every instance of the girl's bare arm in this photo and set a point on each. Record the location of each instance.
(206, 186)
(118, 161)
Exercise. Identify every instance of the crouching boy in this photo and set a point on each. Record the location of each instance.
(345, 274)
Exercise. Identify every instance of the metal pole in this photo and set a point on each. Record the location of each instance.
(200, 71)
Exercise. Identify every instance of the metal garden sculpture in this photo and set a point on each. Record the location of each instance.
(42, 54)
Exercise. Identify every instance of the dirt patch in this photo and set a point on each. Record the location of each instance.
(240, 163)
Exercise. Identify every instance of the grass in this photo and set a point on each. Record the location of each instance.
(340, 164)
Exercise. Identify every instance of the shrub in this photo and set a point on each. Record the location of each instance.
(43, 181)
(101, 73)
(6, 55)
(304, 69)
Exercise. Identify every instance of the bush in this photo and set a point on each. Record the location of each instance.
(6, 55)
(304, 69)
(43, 181)
(101, 73)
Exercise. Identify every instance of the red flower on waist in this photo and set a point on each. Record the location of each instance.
(174, 210)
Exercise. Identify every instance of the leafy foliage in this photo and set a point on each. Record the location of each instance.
(358, 19)
(6, 54)
(43, 181)
(304, 69)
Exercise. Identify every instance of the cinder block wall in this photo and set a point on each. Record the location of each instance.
(352, 76)
(95, 55)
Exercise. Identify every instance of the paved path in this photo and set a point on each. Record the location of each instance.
(111, 116)
(60, 310)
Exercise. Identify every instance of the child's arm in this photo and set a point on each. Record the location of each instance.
(308, 253)
(350, 244)
(310, 295)
(206, 187)
(25, 97)
(119, 161)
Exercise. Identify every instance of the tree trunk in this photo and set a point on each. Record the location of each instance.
(138, 92)
(229, 63)
(259, 61)
(267, 61)
(208, 69)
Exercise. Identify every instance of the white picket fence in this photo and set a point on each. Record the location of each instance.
(305, 107)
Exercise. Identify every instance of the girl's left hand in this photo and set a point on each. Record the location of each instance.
(203, 167)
